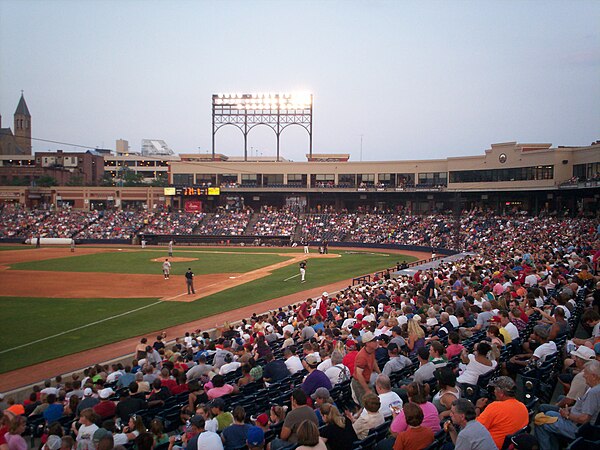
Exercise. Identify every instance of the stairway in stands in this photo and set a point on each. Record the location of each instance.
(298, 231)
(206, 218)
(249, 231)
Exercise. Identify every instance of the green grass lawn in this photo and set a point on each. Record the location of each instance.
(141, 262)
(30, 319)
(15, 247)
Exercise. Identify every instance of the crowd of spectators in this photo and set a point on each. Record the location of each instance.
(327, 227)
(475, 230)
(20, 222)
(227, 223)
(275, 222)
(65, 223)
(175, 222)
(113, 225)
(410, 361)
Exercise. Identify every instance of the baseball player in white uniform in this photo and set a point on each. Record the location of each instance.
(166, 269)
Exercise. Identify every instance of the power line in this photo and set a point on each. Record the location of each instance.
(154, 158)
(59, 142)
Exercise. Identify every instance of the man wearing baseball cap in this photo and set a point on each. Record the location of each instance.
(106, 408)
(88, 400)
(322, 306)
(567, 421)
(315, 378)
(255, 439)
(577, 386)
(506, 415)
(364, 366)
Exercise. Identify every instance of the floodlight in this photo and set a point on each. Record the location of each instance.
(277, 110)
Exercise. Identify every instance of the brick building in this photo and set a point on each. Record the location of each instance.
(86, 169)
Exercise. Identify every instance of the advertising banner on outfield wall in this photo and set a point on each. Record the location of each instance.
(193, 206)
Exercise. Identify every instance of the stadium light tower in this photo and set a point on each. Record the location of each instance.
(277, 111)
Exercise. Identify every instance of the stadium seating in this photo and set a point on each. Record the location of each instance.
(487, 235)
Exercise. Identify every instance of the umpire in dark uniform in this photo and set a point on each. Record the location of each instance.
(189, 281)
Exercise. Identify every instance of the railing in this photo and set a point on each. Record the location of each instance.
(380, 274)
(201, 239)
(579, 184)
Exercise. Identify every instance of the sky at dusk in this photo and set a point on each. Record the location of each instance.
(415, 79)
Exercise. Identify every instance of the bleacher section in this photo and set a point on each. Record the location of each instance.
(494, 273)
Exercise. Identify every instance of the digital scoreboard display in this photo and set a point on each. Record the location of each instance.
(192, 191)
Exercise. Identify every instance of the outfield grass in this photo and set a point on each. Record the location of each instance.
(141, 262)
(53, 316)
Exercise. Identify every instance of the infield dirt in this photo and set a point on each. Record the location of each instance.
(77, 361)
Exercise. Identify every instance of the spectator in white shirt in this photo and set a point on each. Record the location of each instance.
(229, 366)
(292, 361)
(338, 372)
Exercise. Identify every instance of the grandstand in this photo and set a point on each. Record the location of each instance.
(528, 226)
(519, 264)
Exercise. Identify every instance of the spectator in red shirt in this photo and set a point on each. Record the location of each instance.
(167, 380)
(304, 310)
(350, 357)
(106, 408)
(365, 365)
(322, 306)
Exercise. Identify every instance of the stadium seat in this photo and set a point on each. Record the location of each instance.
(507, 440)
(367, 443)
(583, 444)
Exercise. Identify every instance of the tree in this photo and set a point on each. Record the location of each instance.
(161, 180)
(75, 180)
(131, 178)
(107, 180)
(16, 181)
(47, 181)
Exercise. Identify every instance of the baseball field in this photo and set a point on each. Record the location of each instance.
(55, 302)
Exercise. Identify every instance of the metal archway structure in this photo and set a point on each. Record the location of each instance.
(247, 111)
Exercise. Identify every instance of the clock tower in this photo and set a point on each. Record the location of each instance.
(23, 126)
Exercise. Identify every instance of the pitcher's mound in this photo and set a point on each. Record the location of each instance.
(174, 259)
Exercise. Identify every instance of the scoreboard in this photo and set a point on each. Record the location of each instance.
(192, 191)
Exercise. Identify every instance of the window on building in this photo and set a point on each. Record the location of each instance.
(347, 180)
(322, 180)
(250, 179)
(296, 179)
(585, 172)
(227, 178)
(183, 179)
(366, 179)
(405, 180)
(494, 175)
(207, 179)
(272, 179)
(433, 179)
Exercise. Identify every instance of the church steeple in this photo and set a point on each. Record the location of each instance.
(23, 126)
